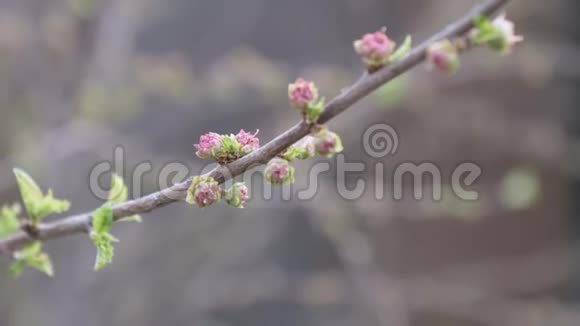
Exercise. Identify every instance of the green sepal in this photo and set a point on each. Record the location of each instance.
(297, 152)
(235, 202)
(233, 195)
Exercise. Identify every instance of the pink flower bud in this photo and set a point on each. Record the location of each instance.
(302, 93)
(204, 191)
(327, 143)
(248, 141)
(208, 145)
(375, 48)
(237, 195)
(443, 56)
(279, 171)
(508, 37)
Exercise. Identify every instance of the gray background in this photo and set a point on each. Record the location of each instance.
(80, 77)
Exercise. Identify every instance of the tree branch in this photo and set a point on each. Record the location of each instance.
(363, 87)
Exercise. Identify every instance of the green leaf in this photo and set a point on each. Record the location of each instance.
(481, 21)
(403, 50)
(36, 204)
(102, 222)
(105, 249)
(393, 92)
(42, 263)
(482, 37)
(118, 192)
(132, 218)
(9, 222)
(485, 31)
(29, 190)
(28, 251)
(32, 256)
(50, 205)
(103, 218)
(16, 268)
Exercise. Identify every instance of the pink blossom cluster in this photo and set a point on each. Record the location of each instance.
(302, 93)
(327, 143)
(209, 145)
(279, 171)
(226, 148)
(248, 141)
(204, 191)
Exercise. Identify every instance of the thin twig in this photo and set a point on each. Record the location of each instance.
(363, 87)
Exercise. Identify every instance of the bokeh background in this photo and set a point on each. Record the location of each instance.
(81, 77)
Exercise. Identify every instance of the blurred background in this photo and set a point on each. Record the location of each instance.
(81, 77)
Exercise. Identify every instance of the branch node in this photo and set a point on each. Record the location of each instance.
(30, 228)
